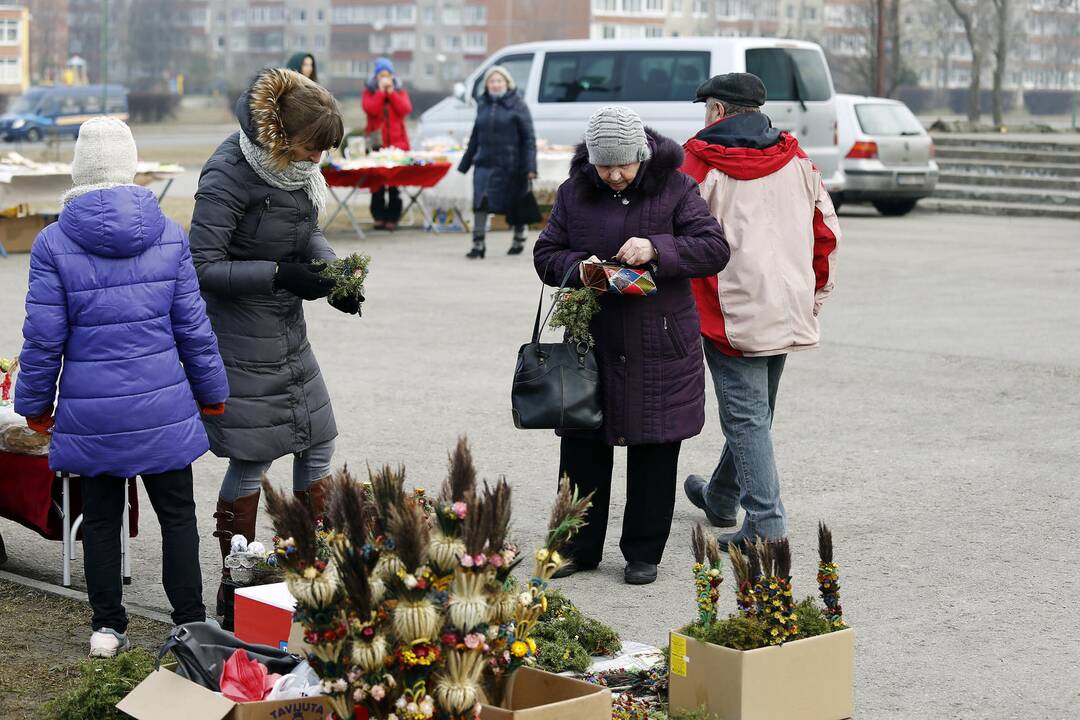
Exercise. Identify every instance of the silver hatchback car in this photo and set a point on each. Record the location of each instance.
(888, 158)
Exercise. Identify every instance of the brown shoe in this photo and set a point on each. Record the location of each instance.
(315, 497)
(233, 518)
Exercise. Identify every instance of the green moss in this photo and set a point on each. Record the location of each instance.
(566, 638)
(742, 633)
(812, 620)
(102, 684)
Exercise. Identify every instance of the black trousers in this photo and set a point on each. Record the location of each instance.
(386, 204)
(171, 495)
(650, 497)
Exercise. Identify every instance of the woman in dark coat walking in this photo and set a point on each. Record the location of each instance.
(256, 243)
(304, 63)
(626, 199)
(502, 154)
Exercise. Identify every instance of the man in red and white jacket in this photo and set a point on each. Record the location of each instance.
(782, 229)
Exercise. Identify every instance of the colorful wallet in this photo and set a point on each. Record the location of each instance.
(613, 277)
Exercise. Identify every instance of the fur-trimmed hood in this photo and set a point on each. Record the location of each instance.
(666, 159)
(259, 111)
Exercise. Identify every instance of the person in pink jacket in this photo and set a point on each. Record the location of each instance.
(782, 228)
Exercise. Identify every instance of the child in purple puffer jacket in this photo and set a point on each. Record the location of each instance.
(114, 301)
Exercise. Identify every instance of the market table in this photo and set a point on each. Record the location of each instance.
(413, 179)
(48, 503)
(24, 181)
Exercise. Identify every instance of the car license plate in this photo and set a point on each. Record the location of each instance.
(911, 179)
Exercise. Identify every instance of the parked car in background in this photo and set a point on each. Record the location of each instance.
(60, 110)
(564, 82)
(888, 157)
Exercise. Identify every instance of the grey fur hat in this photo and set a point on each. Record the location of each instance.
(501, 71)
(615, 135)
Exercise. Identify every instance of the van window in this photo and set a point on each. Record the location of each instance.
(70, 105)
(92, 104)
(790, 73)
(580, 77)
(887, 119)
(627, 76)
(519, 66)
(663, 76)
(116, 105)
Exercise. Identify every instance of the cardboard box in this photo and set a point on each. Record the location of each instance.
(812, 679)
(263, 614)
(537, 695)
(17, 234)
(164, 695)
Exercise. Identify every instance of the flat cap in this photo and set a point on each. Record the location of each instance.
(736, 88)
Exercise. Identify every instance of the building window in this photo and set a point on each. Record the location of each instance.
(451, 16)
(321, 15)
(654, 32)
(476, 42)
(10, 70)
(239, 17)
(320, 42)
(809, 13)
(654, 7)
(238, 43)
(631, 6)
(676, 7)
(605, 6)
(429, 16)
(452, 42)
(701, 8)
(221, 42)
(302, 16)
(429, 42)
(429, 70)
(475, 14)
(608, 32)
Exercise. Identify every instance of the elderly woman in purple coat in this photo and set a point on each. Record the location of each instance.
(626, 199)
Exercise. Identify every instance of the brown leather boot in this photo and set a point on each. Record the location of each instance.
(315, 497)
(233, 518)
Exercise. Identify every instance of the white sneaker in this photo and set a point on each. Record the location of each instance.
(106, 642)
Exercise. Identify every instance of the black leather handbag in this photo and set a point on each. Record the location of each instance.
(526, 211)
(556, 385)
(201, 650)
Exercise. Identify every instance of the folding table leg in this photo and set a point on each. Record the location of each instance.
(165, 190)
(352, 218)
(429, 222)
(125, 534)
(65, 523)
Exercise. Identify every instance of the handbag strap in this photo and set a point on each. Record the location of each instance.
(540, 305)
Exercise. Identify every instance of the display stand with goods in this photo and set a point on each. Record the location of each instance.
(412, 617)
(731, 667)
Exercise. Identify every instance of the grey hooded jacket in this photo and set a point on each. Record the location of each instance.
(241, 227)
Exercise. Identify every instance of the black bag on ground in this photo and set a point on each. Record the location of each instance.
(556, 385)
(526, 211)
(201, 650)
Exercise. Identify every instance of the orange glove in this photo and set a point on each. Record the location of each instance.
(215, 410)
(43, 423)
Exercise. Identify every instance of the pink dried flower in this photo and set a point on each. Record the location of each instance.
(459, 508)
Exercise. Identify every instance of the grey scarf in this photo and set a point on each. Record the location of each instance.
(302, 175)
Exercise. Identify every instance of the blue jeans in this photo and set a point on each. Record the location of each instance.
(746, 474)
(244, 477)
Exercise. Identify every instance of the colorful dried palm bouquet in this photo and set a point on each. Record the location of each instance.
(767, 612)
(414, 616)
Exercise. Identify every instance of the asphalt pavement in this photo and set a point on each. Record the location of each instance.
(936, 430)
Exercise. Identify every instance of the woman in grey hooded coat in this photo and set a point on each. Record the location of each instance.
(257, 249)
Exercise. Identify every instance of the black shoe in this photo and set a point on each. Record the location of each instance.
(639, 573)
(478, 251)
(516, 248)
(736, 538)
(569, 568)
(694, 487)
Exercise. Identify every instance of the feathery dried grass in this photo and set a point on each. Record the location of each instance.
(825, 543)
(460, 484)
(292, 518)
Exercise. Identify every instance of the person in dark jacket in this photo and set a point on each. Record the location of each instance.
(304, 63)
(387, 105)
(625, 199)
(115, 302)
(258, 250)
(502, 155)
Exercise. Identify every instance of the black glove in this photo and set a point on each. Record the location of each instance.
(349, 305)
(303, 280)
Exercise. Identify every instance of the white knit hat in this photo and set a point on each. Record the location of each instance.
(105, 157)
(615, 135)
(501, 71)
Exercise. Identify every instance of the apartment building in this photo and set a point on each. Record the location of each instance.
(14, 50)
(49, 39)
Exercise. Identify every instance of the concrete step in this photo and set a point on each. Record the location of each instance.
(978, 207)
(1004, 142)
(1052, 198)
(1030, 169)
(960, 152)
(1005, 178)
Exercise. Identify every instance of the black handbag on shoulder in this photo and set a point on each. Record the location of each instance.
(201, 650)
(526, 211)
(556, 385)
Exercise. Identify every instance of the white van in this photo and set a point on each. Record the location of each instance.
(564, 82)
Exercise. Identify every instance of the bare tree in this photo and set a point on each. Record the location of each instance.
(1001, 55)
(969, 18)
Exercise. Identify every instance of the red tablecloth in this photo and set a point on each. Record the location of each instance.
(373, 178)
(27, 491)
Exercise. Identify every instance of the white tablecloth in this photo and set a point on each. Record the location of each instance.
(47, 188)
